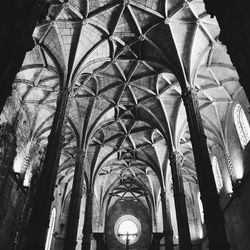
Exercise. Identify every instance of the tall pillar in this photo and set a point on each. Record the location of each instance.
(8, 152)
(156, 239)
(168, 231)
(75, 203)
(39, 218)
(176, 161)
(100, 243)
(212, 212)
(22, 223)
(87, 228)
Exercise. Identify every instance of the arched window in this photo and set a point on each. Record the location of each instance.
(127, 228)
(51, 229)
(217, 174)
(242, 125)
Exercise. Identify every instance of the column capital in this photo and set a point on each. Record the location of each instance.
(90, 193)
(80, 154)
(176, 157)
(163, 194)
(190, 91)
(63, 91)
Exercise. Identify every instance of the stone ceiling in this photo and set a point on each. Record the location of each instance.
(123, 61)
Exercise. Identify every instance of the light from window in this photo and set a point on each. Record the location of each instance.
(27, 177)
(217, 174)
(18, 163)
(200, 208)
(51, 229)
(242, 125)
(127, 227)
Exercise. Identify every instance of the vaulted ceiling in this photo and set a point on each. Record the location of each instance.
(123, 61)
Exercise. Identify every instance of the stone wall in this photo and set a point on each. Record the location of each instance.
(237, 214)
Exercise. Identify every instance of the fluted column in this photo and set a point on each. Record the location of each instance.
(176, 161)
(168, 231)
(39, 218)
(75, 203)
(87, 228)
(212, 212)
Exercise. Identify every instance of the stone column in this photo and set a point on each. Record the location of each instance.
(100, 243)
(156, 239)
(75, 203)
(39, 218)
(7, 154)
(212, 212)
(22, 224)
(176, 161)
(167, 227)
(230, 167)
(87, 228)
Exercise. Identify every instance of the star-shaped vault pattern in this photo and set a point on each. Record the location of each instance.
(123, 61)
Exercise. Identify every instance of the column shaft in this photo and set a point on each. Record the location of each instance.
(75, 203)
(176, 161)
(156, 239)
(87, 228)
(39, 218)
(212, 212)
(100, 243)
(167, 227)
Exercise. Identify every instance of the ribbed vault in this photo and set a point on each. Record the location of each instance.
(123, 62)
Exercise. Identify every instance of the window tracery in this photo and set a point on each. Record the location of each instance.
(242, 125)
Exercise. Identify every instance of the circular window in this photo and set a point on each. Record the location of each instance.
(127, 229)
